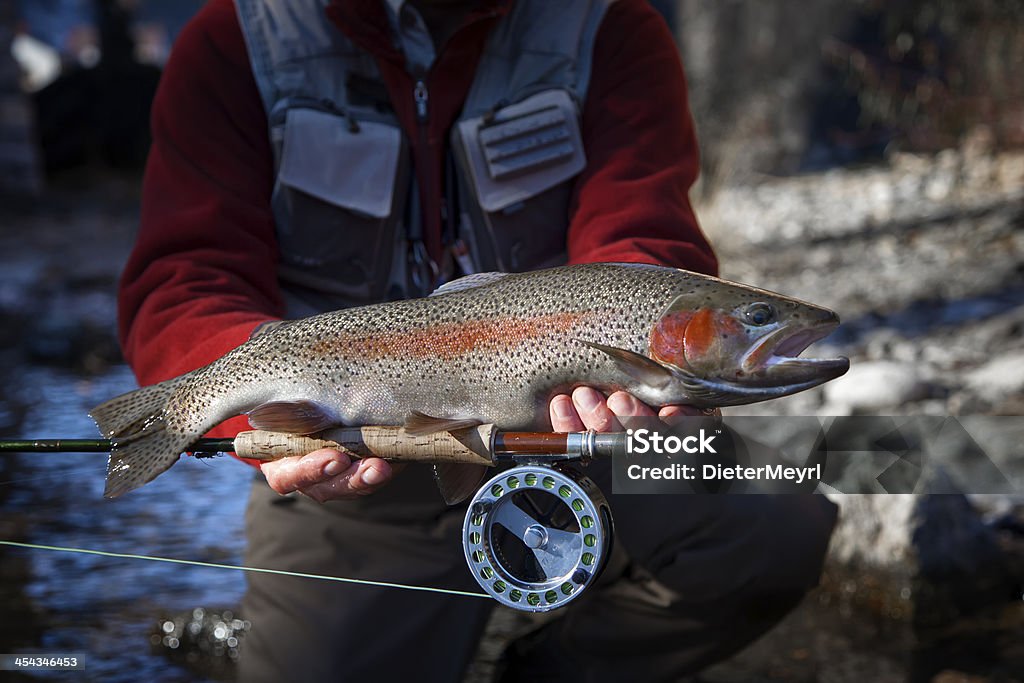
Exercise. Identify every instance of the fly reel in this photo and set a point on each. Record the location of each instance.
(535, 537)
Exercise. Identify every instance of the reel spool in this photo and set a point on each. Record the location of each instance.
(536, 537)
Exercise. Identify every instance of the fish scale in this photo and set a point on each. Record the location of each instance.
(492, 348)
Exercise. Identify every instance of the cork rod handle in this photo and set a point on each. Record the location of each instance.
(470, 446)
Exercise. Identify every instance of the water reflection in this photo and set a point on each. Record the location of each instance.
(106, 607)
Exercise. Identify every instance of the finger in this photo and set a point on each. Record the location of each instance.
(564, 417)
(624, 404)
(593, 410)
(334, 488)
(362, 478)
(676, 411)
(297, 472)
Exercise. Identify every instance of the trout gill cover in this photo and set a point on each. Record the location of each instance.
(487, 348)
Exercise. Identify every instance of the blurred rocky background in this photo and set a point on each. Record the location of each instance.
(862, 154)
(869, 156)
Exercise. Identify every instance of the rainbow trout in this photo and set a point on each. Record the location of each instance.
(487, 348)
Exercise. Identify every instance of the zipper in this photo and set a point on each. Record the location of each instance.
(424, 270)
(422, 97)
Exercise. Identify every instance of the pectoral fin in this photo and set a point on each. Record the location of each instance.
(648, 372)
(421, 424)
(458, 482)
(293, 417)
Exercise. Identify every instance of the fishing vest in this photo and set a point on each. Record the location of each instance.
(345, 199)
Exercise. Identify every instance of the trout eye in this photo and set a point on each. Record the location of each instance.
(759, 314)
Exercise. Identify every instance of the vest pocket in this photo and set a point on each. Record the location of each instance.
(335, 203)
(520, 160)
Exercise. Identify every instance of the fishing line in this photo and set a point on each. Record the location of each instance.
(260, 570)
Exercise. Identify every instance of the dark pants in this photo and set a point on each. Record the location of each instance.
(694, 579)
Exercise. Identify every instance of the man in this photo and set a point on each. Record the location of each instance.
(307, 159)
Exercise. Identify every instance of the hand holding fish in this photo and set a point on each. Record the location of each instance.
(329, 474)
(587, 409)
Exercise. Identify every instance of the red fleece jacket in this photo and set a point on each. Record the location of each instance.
(202, 273)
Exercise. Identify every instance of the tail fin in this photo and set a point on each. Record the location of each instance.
(143, 446)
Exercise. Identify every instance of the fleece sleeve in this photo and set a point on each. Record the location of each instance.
(202, 274)
(631, 203)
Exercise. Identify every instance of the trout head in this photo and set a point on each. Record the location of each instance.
(731, 344)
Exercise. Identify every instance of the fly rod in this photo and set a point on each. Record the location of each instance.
(482, 445)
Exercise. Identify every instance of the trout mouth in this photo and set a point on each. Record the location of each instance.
(772, 368)
(775, 359)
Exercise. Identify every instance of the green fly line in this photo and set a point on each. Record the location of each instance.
(260, 570)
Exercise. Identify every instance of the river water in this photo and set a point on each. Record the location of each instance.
(102, 607)
(58, 359)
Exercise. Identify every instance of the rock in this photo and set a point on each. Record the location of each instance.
(874, 533)
(932, 557)
(999, 378)
(929, 557)
(876, 385)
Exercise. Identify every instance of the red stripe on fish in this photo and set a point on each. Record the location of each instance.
(452, 340)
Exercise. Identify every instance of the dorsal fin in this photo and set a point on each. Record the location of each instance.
(468, 282)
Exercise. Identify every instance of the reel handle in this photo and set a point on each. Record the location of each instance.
(469, 447)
